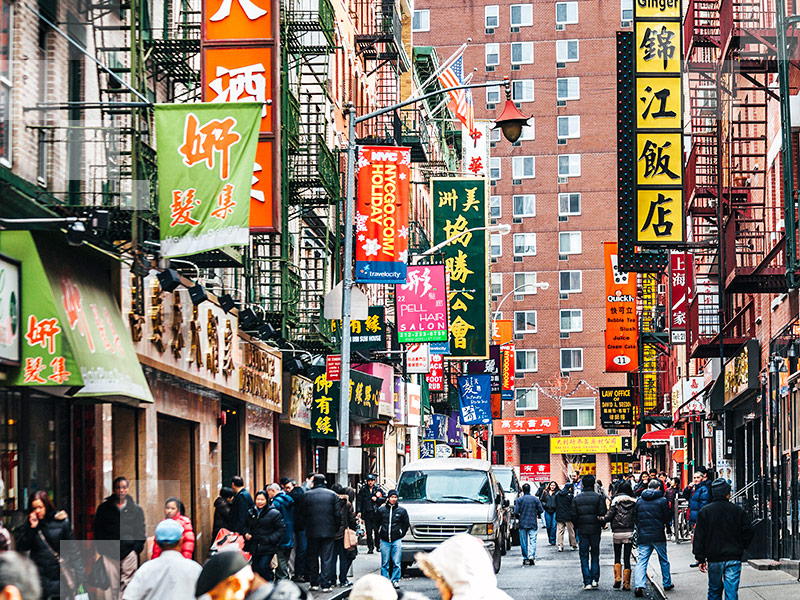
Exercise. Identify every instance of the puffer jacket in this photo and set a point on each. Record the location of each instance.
(187, 547)
(622, 514)
(266, 526)
(701, 495)
(564, 503)
(285, 504)
(548, 501)
(322, 513)
(586, 508)
(652, 516)
(121, 529)
(394, 522)
(56, 528)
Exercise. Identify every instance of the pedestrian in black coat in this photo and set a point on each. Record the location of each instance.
(241, 504)
(564, 517)
(264, 529)
(622, 516)
(322, 514)
(587, 510)
(652, 516)
(370, 498)
(222, 511)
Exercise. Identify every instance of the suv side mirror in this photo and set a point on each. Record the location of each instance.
(499, 499)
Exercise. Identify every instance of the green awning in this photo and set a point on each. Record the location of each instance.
(74, 340)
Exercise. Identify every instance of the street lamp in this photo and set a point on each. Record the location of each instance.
(538, 285)
(502, 229)
(511, 125)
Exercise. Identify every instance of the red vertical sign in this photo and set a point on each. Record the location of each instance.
(435, 376)
(508, 357)
(681, 276)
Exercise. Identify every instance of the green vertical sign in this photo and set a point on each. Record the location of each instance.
(206, 155)
(459, 204)
(365, 393)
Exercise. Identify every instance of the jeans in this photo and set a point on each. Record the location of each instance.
(321, 566)
(724, 575)
(527, 542)
(299, 566)
(390, 559)
(589, 547)
(645, 550)
(282, 572)
(262, 565)
(343, 556)
(372, 523)
(550, 523)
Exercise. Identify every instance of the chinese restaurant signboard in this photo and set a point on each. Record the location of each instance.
(659, 123)
(616, 407)
(206, 154)
(365, 391)
(300, 402)
(369, 334)
(384, 174)
(422, 305)
(9, 311)
(681, 281)
(621, 329)
(585, 445)
(459, 204)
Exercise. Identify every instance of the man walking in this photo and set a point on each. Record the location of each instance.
(652, 516)
(119, 523)
(285, 504)
(322, 518)
(393, 526)
(527, 509)
(241, 505)
(369, 499)
(298, 564)
(588, 508)
(722, 534)
(563, 517)
(168, 577)
(698, 493)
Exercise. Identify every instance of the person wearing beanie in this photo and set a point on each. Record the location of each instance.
(622, 516)
(722, 534)
(393, 526)
(171, 575)
(652, 516)
(588, 509)
(322, 514)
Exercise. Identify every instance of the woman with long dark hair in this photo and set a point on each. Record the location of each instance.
(174, 509)
(548, 499)
(41, 535)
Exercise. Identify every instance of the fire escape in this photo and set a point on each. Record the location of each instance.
(735, 225)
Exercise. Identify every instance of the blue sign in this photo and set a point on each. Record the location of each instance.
(427, 449)
(437, 430)
(475, 399)
(440, 347)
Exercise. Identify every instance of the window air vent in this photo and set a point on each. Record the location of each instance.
(562, 142)
(517, 259)
(515, 67)
(492, 145)
(563, 296)
(561, 103)
(625, 24)
(563, 219)
(563, 257)
(519, 298)
(561, 65)
(516, 144)
(490, 30)
(563, 180)
(489, 69)
(560, 27)
(494, 259)
(564, 336)
(493, 222)
(519, 336)
(516, 182)
(517, 220)
(515, 30)
(491, 106)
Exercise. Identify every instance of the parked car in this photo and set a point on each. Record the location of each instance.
(507, 478)
(446, 496)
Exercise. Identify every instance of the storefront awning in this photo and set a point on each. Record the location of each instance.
(659, 435)
(74, 340)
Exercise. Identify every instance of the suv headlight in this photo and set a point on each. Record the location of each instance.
(482, 529)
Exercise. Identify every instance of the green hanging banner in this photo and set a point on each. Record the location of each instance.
(206, 154)
(365, 393)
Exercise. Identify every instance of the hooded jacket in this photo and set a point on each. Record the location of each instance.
(622, 513)
(285, 504)
(723, 532)
(564, 503)
(267, 529)
(701, 495)
(125, 525)
(464, 566)
(393, 521)
(652, 516)
(586, 508)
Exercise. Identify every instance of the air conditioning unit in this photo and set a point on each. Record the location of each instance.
(519, 336)
(490, 31)
(517, 220)
(562, 142)
(517, 259)
(561, 65)
(516, 144)
(563, 296)
(562, 219)
(489, 69)
(493, 221)
(491, 107)
(624, 24)
(519, 298)
(563, 257)
(560, 27)
(564, 336)
(515, 67)
(563, 180)
(561, 103)
(515, 30)
(516, 182)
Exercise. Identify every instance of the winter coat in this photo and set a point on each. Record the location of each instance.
(669, 494)
(322, 513)
(222, 516)
(527, 508)
(723, 532)
(652, 516)
(640, 488)
(348, 516)
(56, 528)
(298, 494)
(586, 507)
(701, 495)
(548, 501)
(621, 514)
(241, 505)
(364, 502)
(266, 526)
(393, 522)
(124, 526)
(564, 503)
(187, 547)
(285, 504)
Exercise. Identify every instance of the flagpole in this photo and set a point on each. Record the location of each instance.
(453, 57)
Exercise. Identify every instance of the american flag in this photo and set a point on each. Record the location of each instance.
(460, 100)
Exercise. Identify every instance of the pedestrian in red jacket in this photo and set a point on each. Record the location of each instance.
(174, 509)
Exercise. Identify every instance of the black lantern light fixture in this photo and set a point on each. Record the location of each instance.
(511, 120)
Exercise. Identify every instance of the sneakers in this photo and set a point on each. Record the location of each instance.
(574, 547)
(396, 585)
(326, 590)
(694, 565)
(346, 583)
(595, 584)
(524, 561)
(370, 551)
(588, 586)
(531, 562)
(314, 588)
(669, 587)
(638, 592)
(561, 548)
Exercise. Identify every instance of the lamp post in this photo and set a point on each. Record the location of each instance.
(510, 121)
(502, 229)
(538, 285)
(777, 365)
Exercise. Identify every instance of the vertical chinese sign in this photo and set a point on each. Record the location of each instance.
(382, 214)
(459, 207)
(621, 330)
(476, 148)
(681, 281)
(659, 124)
(421, 307)
(474, 398)
(238, 49)
(205, 156)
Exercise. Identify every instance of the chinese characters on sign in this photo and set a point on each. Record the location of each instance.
(364, 397)
(474, 398)
(659, 123)
(422, 305)
(366, 335)
(459, 206)
(537, 473)
(382, 214)
(621, 328)
(523, 426)
(585, 445)
(681, 281)
(616, 407)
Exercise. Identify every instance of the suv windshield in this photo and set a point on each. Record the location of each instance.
(506, 480)
(444, 486)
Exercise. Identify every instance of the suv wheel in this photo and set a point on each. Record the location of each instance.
(498, 556)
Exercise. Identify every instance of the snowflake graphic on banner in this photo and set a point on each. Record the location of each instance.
(361, 222)
(403, 256)
(363, 161)
(403, 232)
(371, 247)
(402, 176)
(405, 158)
(361, 237)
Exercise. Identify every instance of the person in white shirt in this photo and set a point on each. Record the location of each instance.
(168, 577)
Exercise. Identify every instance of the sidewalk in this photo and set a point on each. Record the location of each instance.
(363, 564)
(691, 584)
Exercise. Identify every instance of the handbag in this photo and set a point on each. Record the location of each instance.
(68, 576)
(98, 576)
(350, 539)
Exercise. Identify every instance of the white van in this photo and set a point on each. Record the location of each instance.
(446, 496)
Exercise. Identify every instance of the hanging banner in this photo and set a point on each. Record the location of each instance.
(508, 358)
(474, 399)
(382, 214)
(435, 377)
(490, 366)
(421, 305)
(206, 154)
(414, 393)
(459, 206)
(621, 328)
(681, 276)
(418, 358)
(369, 334)
(365, 391)
(502, 331)
(439, 348)
(475, 146)
(521, 426)
(616, 407)
(585, 445)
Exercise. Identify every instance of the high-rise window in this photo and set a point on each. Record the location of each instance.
(566, 51)
(421, 21)
(525, 283)
(497, 284)
(570, 320)
(525, 321)
(491, 16)
(526, 361)
(569, 165)
(570, 282)
(569, 242)
(494, 168)
(493, 95)
(495, 206)
(521, 53)
(522, 90)
(568, 88)
(526, 398)
(577, 413)
(569, 127)
(524, 244)
(496, 245)
(492, 54)
(569, 204)
(572, 359)
(5, 82)
(566, 13)
(521, 15)
(523, 167)
(524, 205)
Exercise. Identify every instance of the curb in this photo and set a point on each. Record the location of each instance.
(656, 585)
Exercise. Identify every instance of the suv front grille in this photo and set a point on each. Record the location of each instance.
(439, 531)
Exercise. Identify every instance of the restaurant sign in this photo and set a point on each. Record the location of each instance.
(741, 372)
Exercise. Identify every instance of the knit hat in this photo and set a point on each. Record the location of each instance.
(169, 531)
(217, 569)
(625, 489)
(720, 488)
(391, 493)
(373, 587)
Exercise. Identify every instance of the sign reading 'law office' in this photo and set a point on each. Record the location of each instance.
(616, 407)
